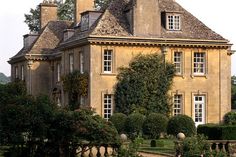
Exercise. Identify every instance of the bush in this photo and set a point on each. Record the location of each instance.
(181, 123)
(154, 125)
(153, 143)
(230, 118)
(193, 146)
(119, 119)
(134, 124)
(218, 132)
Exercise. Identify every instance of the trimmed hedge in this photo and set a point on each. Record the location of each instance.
(218, 132)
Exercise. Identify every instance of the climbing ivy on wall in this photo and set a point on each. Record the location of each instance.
(76, 84)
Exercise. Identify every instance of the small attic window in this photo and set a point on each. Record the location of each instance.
(173, 22)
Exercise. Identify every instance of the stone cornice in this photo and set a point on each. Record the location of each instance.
(136, 41)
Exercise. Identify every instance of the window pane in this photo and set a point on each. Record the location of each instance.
(178, 62)
(199, 63)
(178, 104)
(107, 106)
(107, 61)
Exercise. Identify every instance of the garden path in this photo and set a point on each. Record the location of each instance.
(151, 155)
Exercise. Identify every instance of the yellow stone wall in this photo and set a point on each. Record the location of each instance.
(215, 85)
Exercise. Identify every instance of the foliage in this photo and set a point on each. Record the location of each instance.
(230, 118)
(154, 125)
(119, 120)
(65, 12)
(194, 146)
(218, 132)
(144, 84)
(134, 125)
(32, 19)
(102, 4)
(131, 150)
(181, 123)
(36, 127)
(75, 84)
(233, 92)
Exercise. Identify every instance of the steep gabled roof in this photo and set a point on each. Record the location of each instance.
(49, 38)
(114, 23)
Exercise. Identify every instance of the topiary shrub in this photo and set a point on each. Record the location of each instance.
(134, 124)
(119, 120)
(154, 125)
(230, 118)
(153, 143)
(181, 123)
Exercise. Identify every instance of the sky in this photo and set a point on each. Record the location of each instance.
(219, 15)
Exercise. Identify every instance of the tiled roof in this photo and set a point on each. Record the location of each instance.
(114, 23)
(48, 39)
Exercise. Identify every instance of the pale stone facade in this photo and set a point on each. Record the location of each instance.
(104, 41)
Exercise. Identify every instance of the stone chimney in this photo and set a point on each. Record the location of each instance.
(48, 12)
(82, 6)
(146, 19)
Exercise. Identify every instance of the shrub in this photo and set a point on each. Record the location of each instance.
(154, 125)
(218, 132)
(193, 146)
(181, 123)
(119, 119)
(230, 118)
(134, 124)
(153, 143)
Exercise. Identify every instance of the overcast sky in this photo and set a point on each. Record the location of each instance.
(219, 15)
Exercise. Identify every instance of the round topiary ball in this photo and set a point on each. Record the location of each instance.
(154, 125)
(181, 123)
(230, 118)
(119, 120)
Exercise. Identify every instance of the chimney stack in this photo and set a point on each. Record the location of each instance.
(146, 18)
(48, 12)
(82, 6)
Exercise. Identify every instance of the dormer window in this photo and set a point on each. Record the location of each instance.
(85, 22)
(173, 22)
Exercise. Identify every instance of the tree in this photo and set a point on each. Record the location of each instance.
(65, 12)
(144, 84)
(233, 92)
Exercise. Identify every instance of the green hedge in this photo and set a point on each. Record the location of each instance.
(218, 132)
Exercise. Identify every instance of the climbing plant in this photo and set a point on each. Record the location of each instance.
(76, 84)
(144, 85)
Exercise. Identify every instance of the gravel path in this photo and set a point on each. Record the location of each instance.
(151, 155)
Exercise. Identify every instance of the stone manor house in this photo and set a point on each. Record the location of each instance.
(99, 42)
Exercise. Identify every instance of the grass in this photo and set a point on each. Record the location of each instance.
(168, 147)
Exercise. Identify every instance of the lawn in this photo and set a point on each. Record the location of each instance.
(164, 146)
